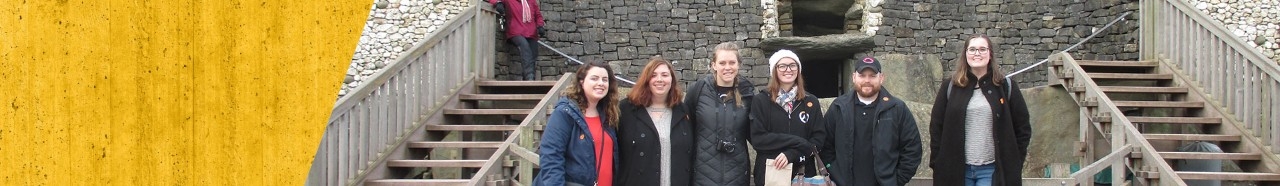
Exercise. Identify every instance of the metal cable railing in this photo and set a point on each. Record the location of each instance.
(575, 60)
(1095, 33)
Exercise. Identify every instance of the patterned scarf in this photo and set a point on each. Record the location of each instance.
(526, 15)
(785, 97)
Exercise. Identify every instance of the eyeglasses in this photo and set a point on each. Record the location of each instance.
(983, 50)
(792, 66)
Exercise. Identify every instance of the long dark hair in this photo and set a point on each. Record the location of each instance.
(609, 102)
(961, 77)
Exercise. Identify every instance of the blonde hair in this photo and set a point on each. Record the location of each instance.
(728, 47)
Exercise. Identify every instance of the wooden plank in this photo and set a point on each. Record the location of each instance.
(1149, 104)
(1160, 104)
(414, 182)
(1179, 120)
(1192, 137)
(1210, 156)
(516, 83)
(435, 163)
(1127, 89)
(1130, 76)
(471, 127)
(1085, 174)
(1242, 176)
(454, 144)
(525, 154)
(928, 181)
(487, 111)
(1096, 63)
(501, 97)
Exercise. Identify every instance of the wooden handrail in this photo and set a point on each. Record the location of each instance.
(1232, 76)
(1123, 132)
(520, 138)
(379, 116)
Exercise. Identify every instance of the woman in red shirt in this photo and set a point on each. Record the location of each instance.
(578, 143)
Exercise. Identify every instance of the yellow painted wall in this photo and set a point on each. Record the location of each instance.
(169, 92)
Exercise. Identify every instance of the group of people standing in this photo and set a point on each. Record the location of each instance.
(663, 134)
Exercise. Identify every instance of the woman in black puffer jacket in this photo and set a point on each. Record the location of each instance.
(718, 106)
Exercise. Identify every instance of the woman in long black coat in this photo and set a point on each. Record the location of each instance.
(980, 126)
(655, 138)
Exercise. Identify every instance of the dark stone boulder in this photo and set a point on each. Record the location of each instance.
(827, 47)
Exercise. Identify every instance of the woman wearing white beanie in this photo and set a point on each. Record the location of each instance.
(786, 122)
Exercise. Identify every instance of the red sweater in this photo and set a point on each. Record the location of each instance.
(604, 151)
(516, 12)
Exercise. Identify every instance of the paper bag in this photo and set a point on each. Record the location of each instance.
(776, 177)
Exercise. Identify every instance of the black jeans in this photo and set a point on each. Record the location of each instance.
(528, 56)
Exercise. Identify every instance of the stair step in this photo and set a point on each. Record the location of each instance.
(1242, 176)
(1166, 119)
(487, 111)
(502, 97)
(454, 144)
(516, 83)
(1151, 104)
(1180, 120)
(1126, 89)
(436, 163)
(1131, 76)
(1192, 137)
(432, 182)
(1117, 63)
(1160, 104)
(1210, 156)
(439, 127)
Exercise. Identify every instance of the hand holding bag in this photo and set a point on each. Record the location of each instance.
(777, 177)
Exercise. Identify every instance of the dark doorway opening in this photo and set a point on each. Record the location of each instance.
(822, 77)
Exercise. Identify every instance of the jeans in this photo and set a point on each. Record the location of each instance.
(528, 56)
(978, 175)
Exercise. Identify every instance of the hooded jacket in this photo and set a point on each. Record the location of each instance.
(796, 134)
(567, 153)
(895, 146)
(716, 122)
(1012, 131)
(641, 152)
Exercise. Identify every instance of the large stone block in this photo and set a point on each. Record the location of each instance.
(828, 47)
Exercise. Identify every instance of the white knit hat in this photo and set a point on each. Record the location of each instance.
(784, 53)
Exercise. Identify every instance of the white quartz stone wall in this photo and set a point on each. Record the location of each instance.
(392, 28)
(1255, 21)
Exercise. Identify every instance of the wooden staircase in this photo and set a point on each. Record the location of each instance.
(465, 135)
(1167, 112)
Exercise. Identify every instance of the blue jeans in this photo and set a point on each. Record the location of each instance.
(978, 175)
(528, 56)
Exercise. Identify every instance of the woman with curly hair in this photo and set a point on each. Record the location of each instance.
(578, 143)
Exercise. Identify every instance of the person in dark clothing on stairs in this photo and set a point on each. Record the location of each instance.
(786, 121)
(524, 28)
(878, 141)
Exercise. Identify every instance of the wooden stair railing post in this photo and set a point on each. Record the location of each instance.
(375, 119)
